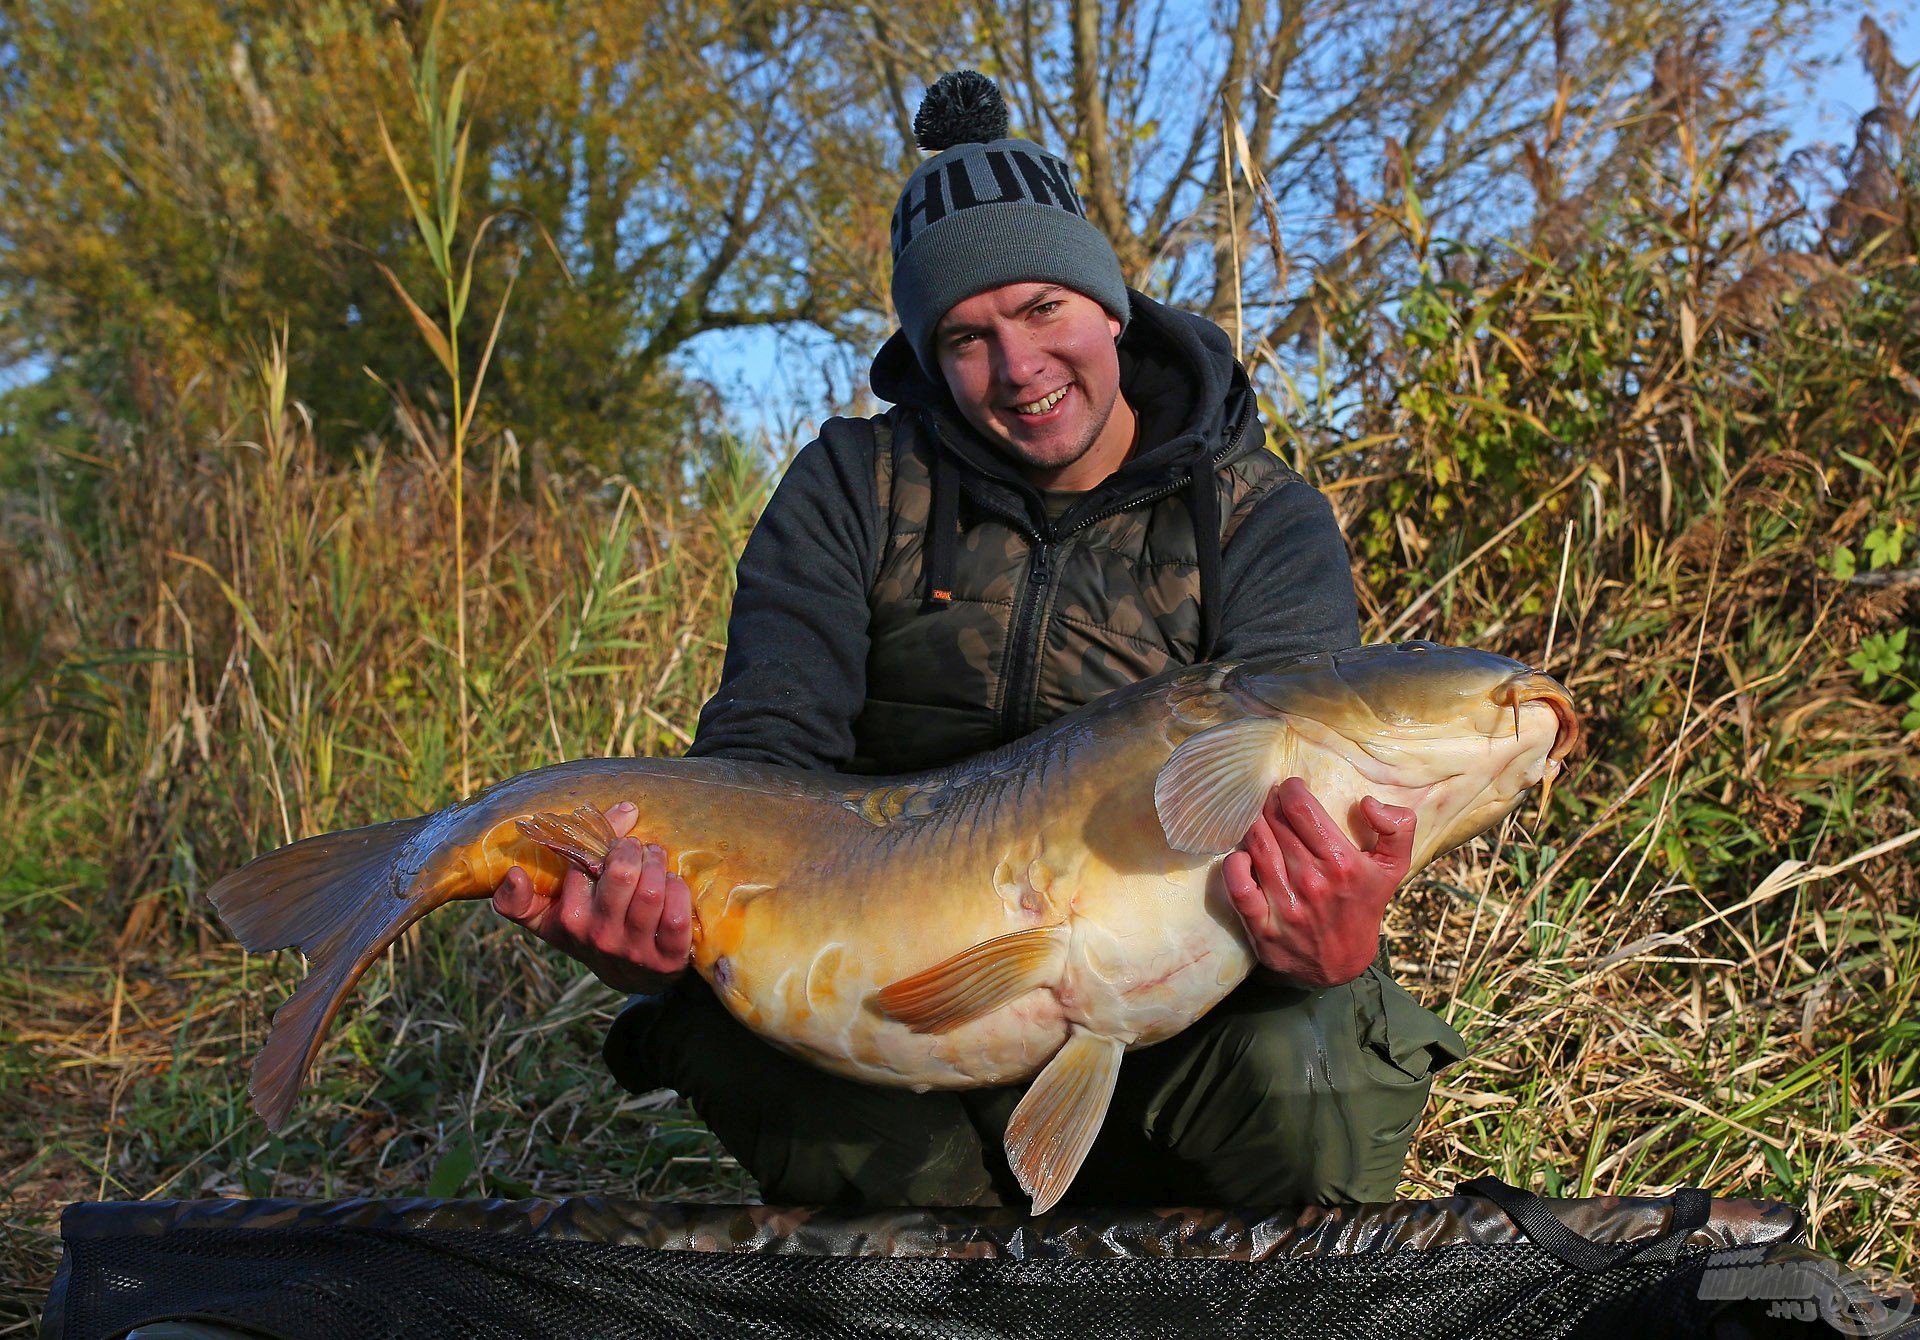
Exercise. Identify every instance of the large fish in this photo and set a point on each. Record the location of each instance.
(1035, 911)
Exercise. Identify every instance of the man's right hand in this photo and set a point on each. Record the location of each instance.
(633, 926)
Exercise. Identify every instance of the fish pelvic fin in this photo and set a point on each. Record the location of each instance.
(1212, 786)
(1055, 1124)
(340, 899)
(977, 980)
(583, 836)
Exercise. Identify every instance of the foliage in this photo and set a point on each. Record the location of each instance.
(181, 179)
(1665, 447)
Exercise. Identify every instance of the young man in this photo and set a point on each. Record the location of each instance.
(1071, 494)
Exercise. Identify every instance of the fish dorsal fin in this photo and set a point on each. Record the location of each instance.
(976, 980)
(1212, 787)
(1053, 1127)
(888, 805)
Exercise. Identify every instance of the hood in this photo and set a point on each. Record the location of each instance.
(1177, 370)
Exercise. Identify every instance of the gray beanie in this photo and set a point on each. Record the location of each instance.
(988, 210)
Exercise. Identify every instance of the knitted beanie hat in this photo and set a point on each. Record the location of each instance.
(985, 211)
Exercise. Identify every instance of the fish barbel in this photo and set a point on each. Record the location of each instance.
(1034, 911)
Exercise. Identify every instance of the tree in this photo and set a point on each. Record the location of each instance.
(179, 179)
(1247, 155)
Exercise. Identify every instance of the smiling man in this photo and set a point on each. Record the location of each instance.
(1033, 367)
(1070, 494)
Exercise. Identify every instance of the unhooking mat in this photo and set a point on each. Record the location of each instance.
(1488, 1261)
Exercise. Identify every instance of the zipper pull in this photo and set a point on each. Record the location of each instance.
(1040, 574)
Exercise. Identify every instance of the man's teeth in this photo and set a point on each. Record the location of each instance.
(1042, 405)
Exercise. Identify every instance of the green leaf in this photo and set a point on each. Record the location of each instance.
(1844, 564)
(451, 1172)
(1782, 1166)
(453, 191)
(455, 96)
(1879, 655)
(1883, 546)
(506, 1187)
(1865, 467)
(428, 231)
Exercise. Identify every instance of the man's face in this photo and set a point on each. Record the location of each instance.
(1017, 346)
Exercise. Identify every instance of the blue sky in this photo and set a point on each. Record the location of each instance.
(774, 383)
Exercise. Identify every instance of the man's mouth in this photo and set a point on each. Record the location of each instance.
(1045, 406)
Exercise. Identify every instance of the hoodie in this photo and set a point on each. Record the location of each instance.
(908, 598)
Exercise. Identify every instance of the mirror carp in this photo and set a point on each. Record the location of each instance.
(1031, 913)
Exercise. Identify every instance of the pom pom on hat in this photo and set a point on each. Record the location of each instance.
(964, 107)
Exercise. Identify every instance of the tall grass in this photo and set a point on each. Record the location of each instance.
(1662, 451)
(254, 648)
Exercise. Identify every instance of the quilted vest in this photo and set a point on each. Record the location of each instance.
(1035, 621)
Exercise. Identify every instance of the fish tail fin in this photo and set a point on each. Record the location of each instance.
(583, 836)
(341, 899)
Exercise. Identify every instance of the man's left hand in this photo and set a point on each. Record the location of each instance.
(1311, 899)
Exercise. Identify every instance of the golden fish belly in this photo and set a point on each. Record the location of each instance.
(1145, 943)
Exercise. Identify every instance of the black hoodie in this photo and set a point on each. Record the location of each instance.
(798, 685)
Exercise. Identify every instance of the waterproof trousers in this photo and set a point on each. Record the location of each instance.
(1278, 1096)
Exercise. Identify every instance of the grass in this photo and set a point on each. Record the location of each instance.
(290, 681)
(1688, 489)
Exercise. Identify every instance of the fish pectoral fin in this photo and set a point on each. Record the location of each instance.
(1055, 1124)
(583, 837)
(1211, 788)
(975, 980)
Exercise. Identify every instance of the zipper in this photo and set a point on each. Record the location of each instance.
(1031, 616)
(1213, 460)
(1028, 637)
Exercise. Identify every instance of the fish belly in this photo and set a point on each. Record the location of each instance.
(1143, 956)
(1154, 954)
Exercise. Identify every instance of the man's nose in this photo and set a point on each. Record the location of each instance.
(1019, 357)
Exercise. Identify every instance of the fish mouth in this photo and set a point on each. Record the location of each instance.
(1531, 686)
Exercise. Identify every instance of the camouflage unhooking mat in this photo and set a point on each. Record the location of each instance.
(1488, 1261)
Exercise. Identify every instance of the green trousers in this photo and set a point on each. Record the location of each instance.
(1279, 1096)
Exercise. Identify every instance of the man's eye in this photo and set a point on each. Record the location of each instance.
(1047, 307)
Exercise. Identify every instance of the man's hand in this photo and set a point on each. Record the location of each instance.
(1312, 901)
(633, 926)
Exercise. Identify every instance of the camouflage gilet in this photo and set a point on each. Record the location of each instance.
(1013, 620)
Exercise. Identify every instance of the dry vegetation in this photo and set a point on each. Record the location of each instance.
(1665, 447)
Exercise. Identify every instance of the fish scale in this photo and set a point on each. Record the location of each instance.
(1026, 915)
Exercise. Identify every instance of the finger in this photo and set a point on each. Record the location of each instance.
(622, 817)
(613, 892)
(649, 894)
(1303, 872)
(674, 939)
(569, 917)
(514, 898)
(1249, 899)
(1311, 823)
(1394, 824)
(1269, 867)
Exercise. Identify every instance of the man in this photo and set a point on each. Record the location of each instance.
(1071, 494)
